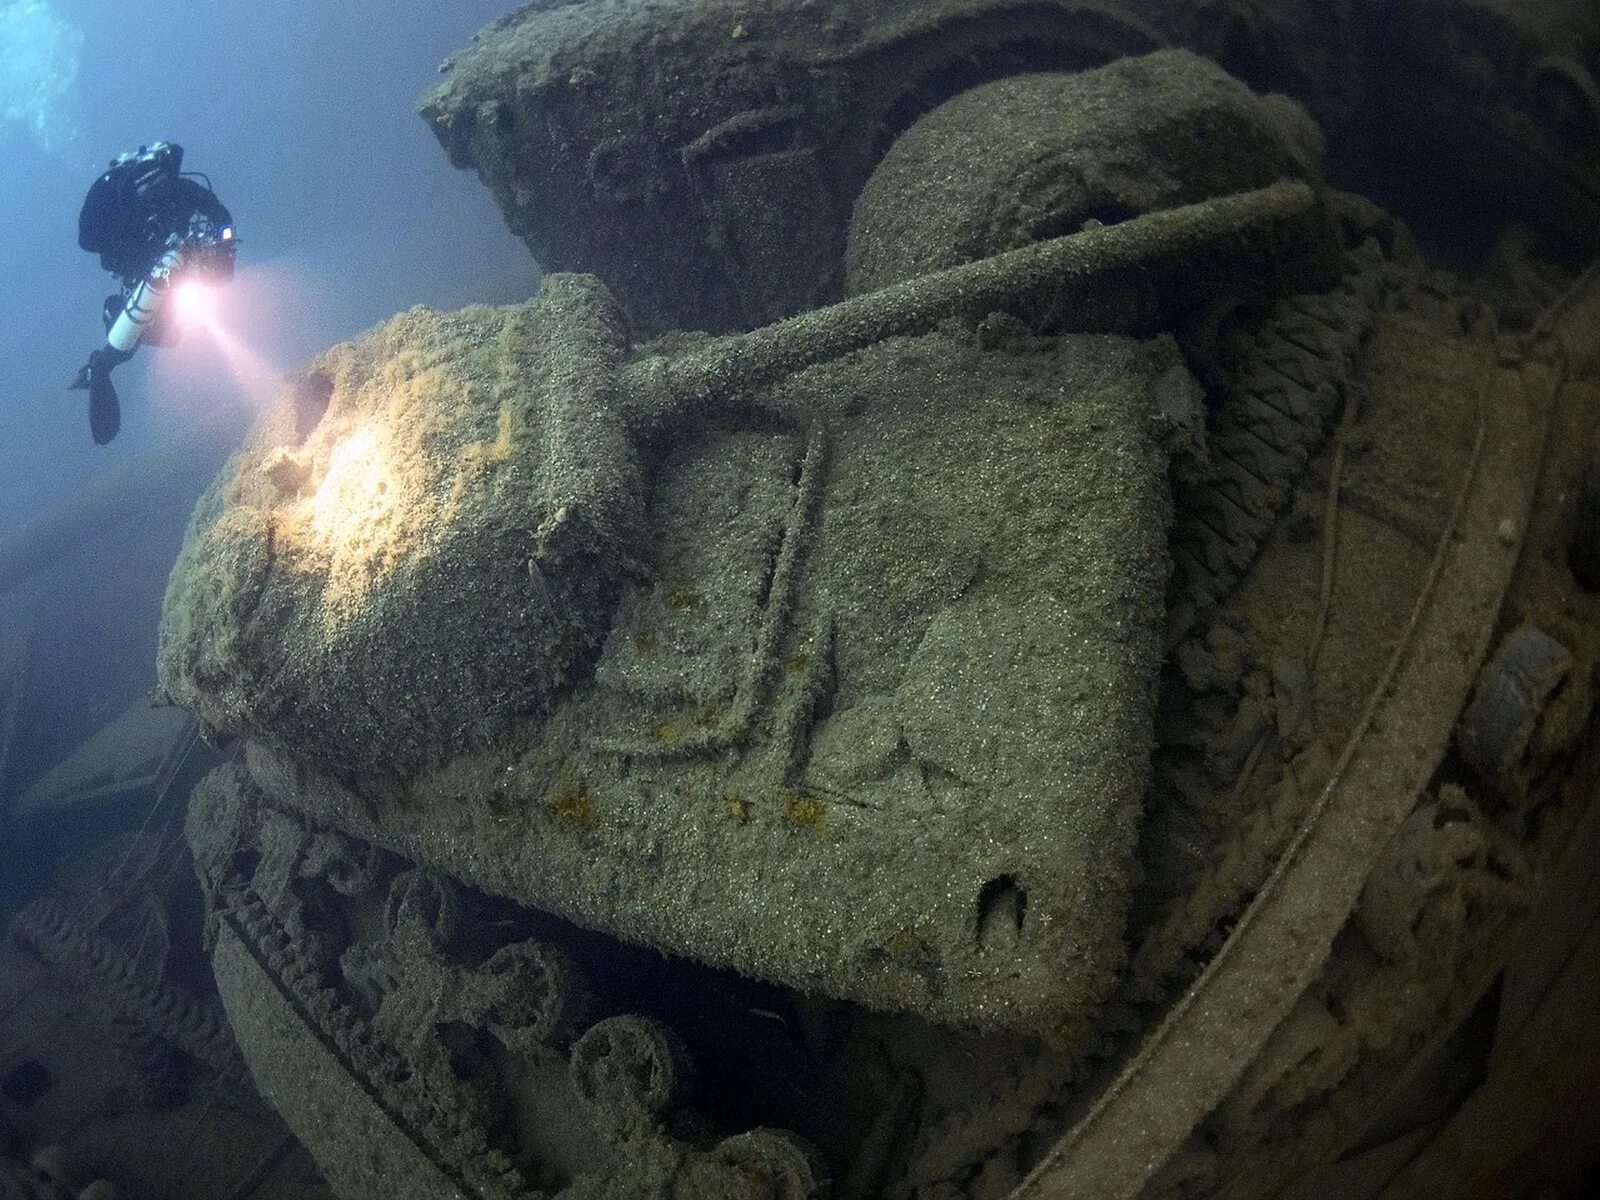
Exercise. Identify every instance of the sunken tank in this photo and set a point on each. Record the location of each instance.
(646, 143)
(996, 628)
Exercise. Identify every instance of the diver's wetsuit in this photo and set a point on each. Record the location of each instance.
(137, 212)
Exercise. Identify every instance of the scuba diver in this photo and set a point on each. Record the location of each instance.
(153, 226)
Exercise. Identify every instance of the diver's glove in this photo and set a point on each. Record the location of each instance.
(105, 413)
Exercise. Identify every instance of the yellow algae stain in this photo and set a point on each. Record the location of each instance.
(681, 597)
(568, 801)
(807, 812)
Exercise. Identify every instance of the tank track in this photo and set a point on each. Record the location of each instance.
(163, 1010)
(1282, 405)
(627, 1073)
(438, 1124)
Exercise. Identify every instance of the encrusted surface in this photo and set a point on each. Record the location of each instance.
(420, 541)
(914, 638)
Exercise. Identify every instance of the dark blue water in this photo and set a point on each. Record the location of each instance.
(303, 116)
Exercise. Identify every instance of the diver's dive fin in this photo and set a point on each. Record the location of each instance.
(105, 413)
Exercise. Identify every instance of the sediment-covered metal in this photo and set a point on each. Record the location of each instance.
(733, 690)
(1066, 640)
(645, 144)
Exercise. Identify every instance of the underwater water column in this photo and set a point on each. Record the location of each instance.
(38, 66)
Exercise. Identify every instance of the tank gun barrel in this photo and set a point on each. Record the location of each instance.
(1128, 277)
